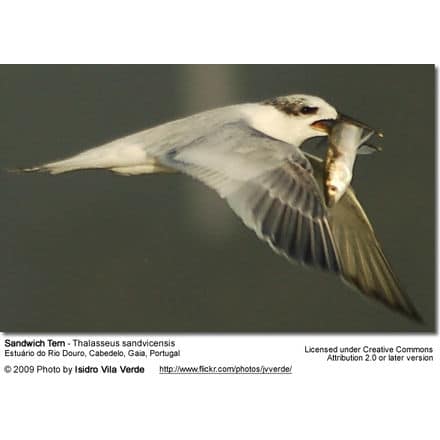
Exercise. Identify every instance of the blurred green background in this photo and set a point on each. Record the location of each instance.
(96, 252)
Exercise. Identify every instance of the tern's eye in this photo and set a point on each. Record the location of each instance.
(308, 110)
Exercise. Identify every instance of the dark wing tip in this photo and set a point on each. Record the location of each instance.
(364, 264)
(411, 312)
(400, 302)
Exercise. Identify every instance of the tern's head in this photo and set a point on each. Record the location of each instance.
(304, 116)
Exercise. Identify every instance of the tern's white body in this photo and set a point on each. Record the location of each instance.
(142, 152)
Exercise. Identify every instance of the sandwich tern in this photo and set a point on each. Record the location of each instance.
(250, 155)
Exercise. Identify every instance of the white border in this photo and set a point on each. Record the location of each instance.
(335, 402)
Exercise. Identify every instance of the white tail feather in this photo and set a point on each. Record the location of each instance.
(119, 156)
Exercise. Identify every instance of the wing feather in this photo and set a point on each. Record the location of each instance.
(278, 192)
(269, 184)
(289, 214)
(362, 260)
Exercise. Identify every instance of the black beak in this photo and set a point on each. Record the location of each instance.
(350, 120)
(326, 125)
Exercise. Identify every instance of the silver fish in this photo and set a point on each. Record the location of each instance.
(345, 143)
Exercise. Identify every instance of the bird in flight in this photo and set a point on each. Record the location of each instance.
(250, 155)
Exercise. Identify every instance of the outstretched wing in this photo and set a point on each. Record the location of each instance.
(269, 184)
(278, 192)
(284, 208)
(363, 263)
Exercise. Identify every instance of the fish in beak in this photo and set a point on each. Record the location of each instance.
(326, 125)
(346, 139)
